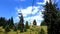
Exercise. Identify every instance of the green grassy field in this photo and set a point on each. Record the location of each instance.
(32, 30)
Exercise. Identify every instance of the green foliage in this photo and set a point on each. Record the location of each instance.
(27, 26)
(42, 32)
(58, 14)
(43, 23)
(2, 20)
(50, 17)
(11, 23)
(15, 28)
(25, 29)
(34, 22)
(21, 24)
(7, 29)
(33, 30)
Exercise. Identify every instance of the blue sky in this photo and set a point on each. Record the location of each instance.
(11, 8)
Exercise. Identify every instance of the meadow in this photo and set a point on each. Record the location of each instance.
(31, 30)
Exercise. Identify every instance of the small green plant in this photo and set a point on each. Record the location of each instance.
(7, 29)
(15, 28)
(42, 32)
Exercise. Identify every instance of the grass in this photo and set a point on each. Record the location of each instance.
(32, 30)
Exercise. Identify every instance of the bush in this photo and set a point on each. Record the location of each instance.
(7, 29)
(15, 28)
(42, 32)
(25, 29)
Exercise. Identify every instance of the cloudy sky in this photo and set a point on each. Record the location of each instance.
(11, 8)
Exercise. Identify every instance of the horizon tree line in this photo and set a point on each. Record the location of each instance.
(9, 24)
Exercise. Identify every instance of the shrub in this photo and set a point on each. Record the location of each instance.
(7, 29)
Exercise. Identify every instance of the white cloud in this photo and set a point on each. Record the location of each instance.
(56, 1)
(35, 9)
(42, 2)
(38, 18)
(28, 10)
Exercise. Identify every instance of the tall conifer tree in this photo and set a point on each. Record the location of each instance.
(21, 24)
(50, 17)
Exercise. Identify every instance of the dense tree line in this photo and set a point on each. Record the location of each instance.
(9, 24)
(4, 22)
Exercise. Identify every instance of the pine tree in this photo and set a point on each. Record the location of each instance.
(0, 22)
(34, 22)
(27, 26)
(7, 28)
(11, 22)
(3, 21)
(50, 17)
(21, 24)
(43, 23)
(58, 22)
